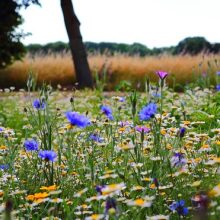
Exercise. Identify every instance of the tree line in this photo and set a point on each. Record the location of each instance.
(189, 45)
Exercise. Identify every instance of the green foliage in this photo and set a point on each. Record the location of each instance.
(10, 46)
(192, 45)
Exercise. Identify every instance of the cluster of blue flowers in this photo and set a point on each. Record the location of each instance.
(107, 111)
(148, 112)
(178, 160)
(78, 120)
(31, 145)
(179, 207)
(96, 138)
(48, 155)
(38, 104)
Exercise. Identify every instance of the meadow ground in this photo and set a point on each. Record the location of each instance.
(94, 155)
(58, 69)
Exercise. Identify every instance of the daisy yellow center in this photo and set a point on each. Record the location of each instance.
(139, 202)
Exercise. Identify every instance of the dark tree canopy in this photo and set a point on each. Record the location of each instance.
(11, 48)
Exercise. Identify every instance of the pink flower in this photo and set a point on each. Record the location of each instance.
(162, 74)
(142, 129)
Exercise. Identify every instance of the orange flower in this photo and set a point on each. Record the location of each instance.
(3, 147)
(49, 188)
(37, 196)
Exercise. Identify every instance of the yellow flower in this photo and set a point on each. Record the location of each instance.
(37, 196)
(41, 195)
(112, 188)
(3, 147)
(186, 122)
(49, 188)
(196, 183)
(1, 193)
(139, 202)
(94, 217)
(163, 132)
(215, 191)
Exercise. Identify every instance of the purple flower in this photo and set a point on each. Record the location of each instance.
(38, 104)
(148, 112)
(4, 167)
(78, 120)
(110, 204)
(178, 160)
(182, 132)
(31, 145)
(48, 155)
(99, 189)
(200, 201)
(162, 74)
(107, 111)
(121, 99)
(179, 207)
(96, 138)
(218, 73)
(142, 129)
(204, 74)
(218, 87)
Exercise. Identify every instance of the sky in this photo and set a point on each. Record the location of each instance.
(154, 23)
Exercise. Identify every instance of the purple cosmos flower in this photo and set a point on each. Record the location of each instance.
(48, 155)
(38, 104)
(142, 129)
(148, 112)
(78, 120)
(31, 145)
(107, 111)
(178, 160)
(96, 138)
(179, 207)
(162, 74)
(218, 87)
(182, 132)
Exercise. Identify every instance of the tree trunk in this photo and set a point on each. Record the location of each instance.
(83, 74)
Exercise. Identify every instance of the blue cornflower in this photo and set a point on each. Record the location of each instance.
(31, 145)
(218, 87)
(179, 207)
(4, 166)
(178, 160)
(99, 189)
(110, 204)
(96, 138)
(107, 111)
(148, 112)
(218, 73)
(38, 104)
(182, 132)
(48, 155)
(78, 120)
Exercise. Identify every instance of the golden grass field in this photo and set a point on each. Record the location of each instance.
(58, 68)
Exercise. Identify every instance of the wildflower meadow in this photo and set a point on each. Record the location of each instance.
(92, 154)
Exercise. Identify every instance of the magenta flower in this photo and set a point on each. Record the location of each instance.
(142, 129)
(162, 74)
